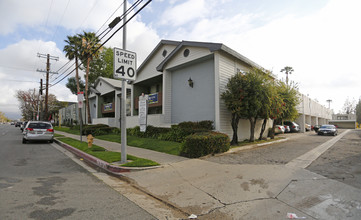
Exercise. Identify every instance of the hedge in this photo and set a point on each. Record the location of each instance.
(205, 143)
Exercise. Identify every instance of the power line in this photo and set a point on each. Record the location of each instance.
(133, 7)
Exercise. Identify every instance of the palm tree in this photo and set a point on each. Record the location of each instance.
(72, 51)
(288, 70)
(90, 48)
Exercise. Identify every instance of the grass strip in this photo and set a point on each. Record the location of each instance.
(58, 135)
(246, 142)
(67, 130)
(168, 147)
(108, 156)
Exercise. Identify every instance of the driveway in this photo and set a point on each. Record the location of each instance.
(277, 153)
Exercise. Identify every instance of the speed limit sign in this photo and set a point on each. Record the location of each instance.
(124, 64)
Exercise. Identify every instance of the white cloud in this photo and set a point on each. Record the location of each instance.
(184, 13)
(323, 47)
(18, 65)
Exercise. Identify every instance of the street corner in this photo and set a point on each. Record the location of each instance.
(112, 168)
(323, 199)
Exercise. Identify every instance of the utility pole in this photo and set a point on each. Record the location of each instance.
(48, 58)
(124, 96)
(329, 102)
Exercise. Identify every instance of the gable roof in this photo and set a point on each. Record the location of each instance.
(212, 47)
(117, 84)
(159, 45)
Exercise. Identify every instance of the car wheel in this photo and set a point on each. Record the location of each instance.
(51, 141)
(24, 141)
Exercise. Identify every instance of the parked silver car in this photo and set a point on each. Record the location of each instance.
(293, 126)
(38, 131)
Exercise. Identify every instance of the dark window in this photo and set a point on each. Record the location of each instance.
(157, 88)
(164, 53)
(39, 125)
(186, 53)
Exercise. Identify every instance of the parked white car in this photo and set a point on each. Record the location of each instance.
(38, 131)
(279, 129)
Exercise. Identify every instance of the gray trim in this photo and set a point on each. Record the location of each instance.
(112, 82)
(162, 42)
(212, 47)
(94, 91)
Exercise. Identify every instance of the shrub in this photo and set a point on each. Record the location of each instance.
(98, 129)
(151, 132)
(199, 125)
(204, 143)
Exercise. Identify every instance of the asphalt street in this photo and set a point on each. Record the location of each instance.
(39, 182)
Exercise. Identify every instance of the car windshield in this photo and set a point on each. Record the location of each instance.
(39, 125)
(328, 126)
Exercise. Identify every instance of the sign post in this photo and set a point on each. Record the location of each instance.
(124, 69)
(80, 105)
(143, 111)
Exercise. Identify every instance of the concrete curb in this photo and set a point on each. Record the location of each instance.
(114, 169)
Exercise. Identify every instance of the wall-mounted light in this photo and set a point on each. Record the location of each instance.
(190, 82)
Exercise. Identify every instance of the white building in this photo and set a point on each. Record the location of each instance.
(185, 80)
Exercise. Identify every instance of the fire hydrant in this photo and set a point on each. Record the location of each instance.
(90, 140)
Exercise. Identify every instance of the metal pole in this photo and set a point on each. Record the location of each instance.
(124, 96)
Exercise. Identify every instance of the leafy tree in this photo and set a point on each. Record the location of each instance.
(89, 50)
(285, 104)
(3, 118)
(358, 111)
(102, 65)
(73, 51)
(244, 97)
(72, 85)
(272, 104)
(349, 107)
(29, 103)
(287, 70)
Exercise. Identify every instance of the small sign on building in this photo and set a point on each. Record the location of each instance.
(143, 112)
(80, 99)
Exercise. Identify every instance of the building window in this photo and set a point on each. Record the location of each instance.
(157, 88)
(164, 53)
(186, 53)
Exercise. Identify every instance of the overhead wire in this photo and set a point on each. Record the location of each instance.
(127, 12)
(122, 17)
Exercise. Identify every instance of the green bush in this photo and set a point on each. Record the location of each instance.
(176, 133)
(198, 125)
(204, 143)
(151, 132)
(97, 129)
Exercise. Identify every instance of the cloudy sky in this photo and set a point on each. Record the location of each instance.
(320, 39)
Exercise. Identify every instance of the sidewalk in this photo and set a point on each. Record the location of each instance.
(222, 191)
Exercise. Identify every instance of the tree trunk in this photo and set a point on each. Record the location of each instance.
(263, 128)
(272, 133)
(235, 121)
(78, 89)
(86, 90)
(252, 122)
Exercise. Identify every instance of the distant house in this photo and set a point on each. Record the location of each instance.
(344, 120)
(68, 115)
(104, 101)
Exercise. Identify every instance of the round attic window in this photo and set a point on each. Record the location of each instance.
(186, 52)
(164, 53)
